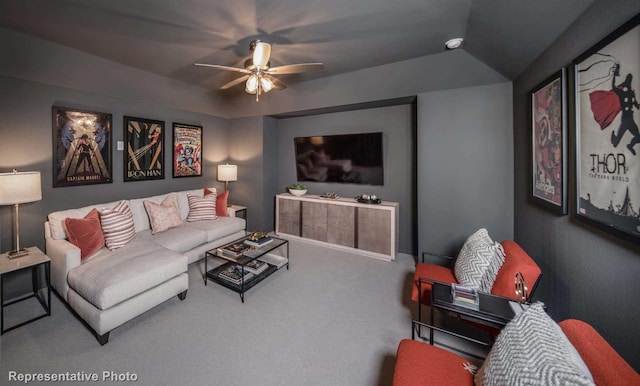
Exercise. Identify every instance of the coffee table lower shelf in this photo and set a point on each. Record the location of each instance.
(213, 275)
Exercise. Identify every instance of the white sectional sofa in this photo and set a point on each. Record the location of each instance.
(110, 288)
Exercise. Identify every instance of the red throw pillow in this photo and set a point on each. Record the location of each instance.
(221, 204)
(85, 233)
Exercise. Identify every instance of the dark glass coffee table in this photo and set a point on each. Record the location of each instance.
(238, 273)
(493, 311)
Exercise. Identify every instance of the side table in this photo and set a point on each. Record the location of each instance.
(494, 311)
(241, 211)
(32, 261)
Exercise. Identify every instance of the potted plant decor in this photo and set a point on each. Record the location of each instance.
(297, 189)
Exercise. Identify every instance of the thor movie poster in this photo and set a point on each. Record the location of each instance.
(608, 140)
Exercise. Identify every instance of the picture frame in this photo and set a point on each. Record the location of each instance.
(607, 193)
(82, 147)
(144, 149)
(549, 143)
(187, 150)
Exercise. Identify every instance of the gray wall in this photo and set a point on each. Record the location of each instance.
(465, 166)
(251, 142)
(588, 274)
(396, 125)
(26, 144)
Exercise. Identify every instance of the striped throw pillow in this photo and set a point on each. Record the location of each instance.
(117, 225)
(202, 208)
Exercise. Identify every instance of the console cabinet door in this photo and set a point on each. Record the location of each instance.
(289, 216)
(374, 230)
(314, 220)
(341, 221)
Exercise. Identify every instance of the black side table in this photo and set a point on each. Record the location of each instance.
(32, 261)
(493, 311)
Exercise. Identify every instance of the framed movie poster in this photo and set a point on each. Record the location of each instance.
(187, 150)
(81, 147)
(144, 156)
(607, 135)
(548, 139)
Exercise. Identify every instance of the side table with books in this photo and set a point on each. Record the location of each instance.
(249, 260)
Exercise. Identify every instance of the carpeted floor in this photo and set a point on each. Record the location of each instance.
(333, 319)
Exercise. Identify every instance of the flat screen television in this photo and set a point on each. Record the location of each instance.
(346, 158)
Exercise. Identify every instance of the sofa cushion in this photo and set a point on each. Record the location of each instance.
(163, 216)
(202, 208)
(530, 350)
(479, 261)
(114, 276)
(56, 219)
(117, 225)
(180, 239)
(86, 233)
(219, 228)
(419, 363)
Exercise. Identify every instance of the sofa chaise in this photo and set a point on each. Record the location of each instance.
(111, 287)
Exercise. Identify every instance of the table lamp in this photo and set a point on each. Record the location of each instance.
(227, 173)
(18, 188)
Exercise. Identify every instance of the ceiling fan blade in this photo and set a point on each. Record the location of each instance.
(295, 68)
(261, 55)
(277, 84)
(226, 68)
(235, 82)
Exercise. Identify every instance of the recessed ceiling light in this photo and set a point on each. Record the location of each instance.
(453, 43)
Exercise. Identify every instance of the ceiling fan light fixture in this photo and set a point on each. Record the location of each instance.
(452, 44)
(266, 84)
(252, 84)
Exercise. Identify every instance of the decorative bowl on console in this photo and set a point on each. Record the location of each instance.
(298, 189)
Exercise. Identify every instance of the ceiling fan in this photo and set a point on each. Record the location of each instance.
(258, 75)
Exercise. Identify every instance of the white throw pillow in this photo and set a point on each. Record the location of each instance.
(163, 216)
(530, 350)
(117, 225)
(202, 208)
(478, 262)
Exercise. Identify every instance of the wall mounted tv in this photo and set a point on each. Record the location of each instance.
(347, 158)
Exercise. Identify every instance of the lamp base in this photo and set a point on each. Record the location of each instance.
(18, 253)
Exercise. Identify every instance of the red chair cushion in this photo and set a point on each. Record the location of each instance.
(516, 260)
(433, 272)
(419, 363)
(606, 366)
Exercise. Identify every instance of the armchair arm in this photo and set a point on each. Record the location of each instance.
(64, 257)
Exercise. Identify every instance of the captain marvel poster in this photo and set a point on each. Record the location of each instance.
(81, 147)
(607, 135)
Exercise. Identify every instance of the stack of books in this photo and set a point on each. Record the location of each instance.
(256, 267)
(465, 296)
(234, 274)
(259, 242)
(278, 261)
(234, 250)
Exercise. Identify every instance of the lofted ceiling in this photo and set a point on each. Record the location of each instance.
(166, 36)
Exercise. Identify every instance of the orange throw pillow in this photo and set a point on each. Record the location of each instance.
(221, 202)
(85, 233)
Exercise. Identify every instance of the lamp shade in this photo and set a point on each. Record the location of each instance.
(19, 188)
(227, 173)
